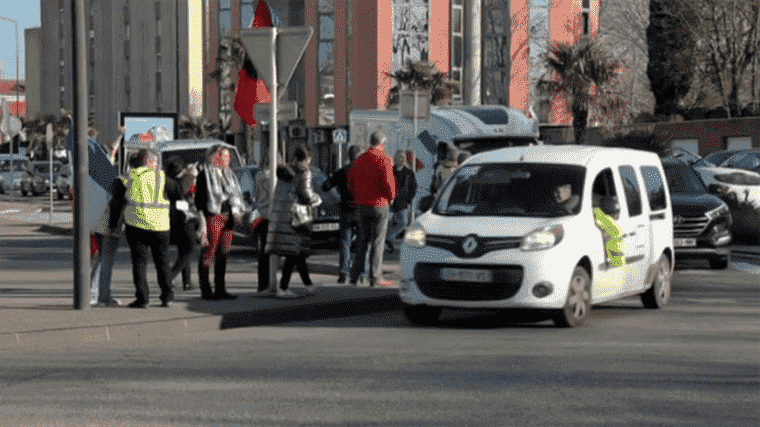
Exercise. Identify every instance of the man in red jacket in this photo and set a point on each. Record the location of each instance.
(373, 186)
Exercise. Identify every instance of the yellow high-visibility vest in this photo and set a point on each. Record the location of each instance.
(147, 208)
(615, 247)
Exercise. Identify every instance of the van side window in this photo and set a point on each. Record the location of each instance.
(655, 187)
(604, 186)
(631, 190)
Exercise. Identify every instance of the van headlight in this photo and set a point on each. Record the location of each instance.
(416, 236)
(543, 238)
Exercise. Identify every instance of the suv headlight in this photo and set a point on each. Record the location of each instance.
(718, 212)
(543, 238)
(416, 236)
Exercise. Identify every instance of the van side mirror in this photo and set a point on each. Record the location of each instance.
(426, 203)
(610, 206)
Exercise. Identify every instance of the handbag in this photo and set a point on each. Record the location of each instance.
(301, 215)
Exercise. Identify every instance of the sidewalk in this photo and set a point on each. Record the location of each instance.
(36, 308)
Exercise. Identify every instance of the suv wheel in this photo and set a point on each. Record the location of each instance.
(719, 263)
(578, 303)
(658, 295)
(422, 314)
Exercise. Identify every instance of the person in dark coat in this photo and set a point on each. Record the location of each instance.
(347, 212)
(406, 189)
(185, 222)
(294, 184)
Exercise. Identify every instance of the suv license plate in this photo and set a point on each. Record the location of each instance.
(684, 243)
(465, 275)
(329, 226)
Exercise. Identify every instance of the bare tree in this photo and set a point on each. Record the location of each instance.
(727, 35)
(498, 25)
(623, 30)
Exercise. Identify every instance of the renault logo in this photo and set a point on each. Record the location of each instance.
(469, 245)
(679, 220)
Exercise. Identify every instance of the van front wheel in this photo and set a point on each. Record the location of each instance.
(578, 303)
(422, 314)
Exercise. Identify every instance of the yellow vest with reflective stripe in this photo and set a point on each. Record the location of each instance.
(147, 208)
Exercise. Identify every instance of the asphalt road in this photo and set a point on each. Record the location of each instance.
(695, 363)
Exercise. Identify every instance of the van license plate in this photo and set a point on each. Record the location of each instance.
(684, 243)
(466, 275)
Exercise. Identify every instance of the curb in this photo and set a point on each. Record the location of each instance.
(310, 312)
(52, 229)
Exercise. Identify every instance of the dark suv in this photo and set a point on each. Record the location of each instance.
(701, 221)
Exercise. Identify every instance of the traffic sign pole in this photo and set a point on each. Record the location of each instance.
(273, 131)
(49, 140)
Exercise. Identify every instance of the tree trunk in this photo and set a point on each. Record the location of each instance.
(580, 116)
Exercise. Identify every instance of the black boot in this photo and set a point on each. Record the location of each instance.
(220, 268)
(204, 282)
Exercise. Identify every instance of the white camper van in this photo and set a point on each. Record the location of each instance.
(471, 128)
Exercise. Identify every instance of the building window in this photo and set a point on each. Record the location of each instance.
(126, 49)
(91, 55)
(60, 51)
(586, 16)
(158, 81)
(127, 89)
(158, 10)
(126, 15)
(246, 13)
(456, 53)
(326, 62)
(158, 63)
(225, 19)
(158, 44)
(585, 22)
(495, 54)
(60, 80)
(586, 4)
(60, 4)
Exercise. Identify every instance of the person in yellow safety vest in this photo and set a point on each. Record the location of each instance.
(144, 197)
(613, 237)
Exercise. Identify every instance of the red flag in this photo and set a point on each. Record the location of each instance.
(250, 89)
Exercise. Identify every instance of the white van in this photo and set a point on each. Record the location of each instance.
(497, 237)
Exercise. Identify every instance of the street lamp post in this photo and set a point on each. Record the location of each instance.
(17, 99)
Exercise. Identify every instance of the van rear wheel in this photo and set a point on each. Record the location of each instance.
(658, 295)
(422, 314)
(578, 303)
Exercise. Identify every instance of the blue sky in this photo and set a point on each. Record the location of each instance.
(27, 14)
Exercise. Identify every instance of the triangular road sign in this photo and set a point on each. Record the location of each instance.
(291, 45)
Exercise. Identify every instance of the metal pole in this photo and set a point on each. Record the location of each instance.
(81, 233)
(10, 150)
(49, 131)
(273, 136)
(414, 155)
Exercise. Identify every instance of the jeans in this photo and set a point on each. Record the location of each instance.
(347, 222)
(100, 277)
(397, 222)
(373, 224)
(140, 243)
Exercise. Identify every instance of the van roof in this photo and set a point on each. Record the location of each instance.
(580, 155)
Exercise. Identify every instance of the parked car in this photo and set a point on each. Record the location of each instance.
(327, 215)
(2, 185)
(247, 178)
(723, 179)
(36, 180)
(737, 159)
(701, 221)
(63, 181)
(13, 178)
(497, 237)
(682, 155)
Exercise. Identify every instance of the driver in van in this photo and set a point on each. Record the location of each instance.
(564, 196)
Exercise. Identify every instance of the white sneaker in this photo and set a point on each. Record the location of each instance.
(286, 294)
(313, 288)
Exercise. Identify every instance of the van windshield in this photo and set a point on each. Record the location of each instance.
(524, 189)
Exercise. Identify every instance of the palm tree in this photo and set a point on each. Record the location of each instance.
(199, 128)
(583, 71)
(421, 75)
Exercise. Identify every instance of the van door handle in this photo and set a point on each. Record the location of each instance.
(660, 215)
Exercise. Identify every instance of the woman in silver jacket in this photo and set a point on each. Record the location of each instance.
(294, 184)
